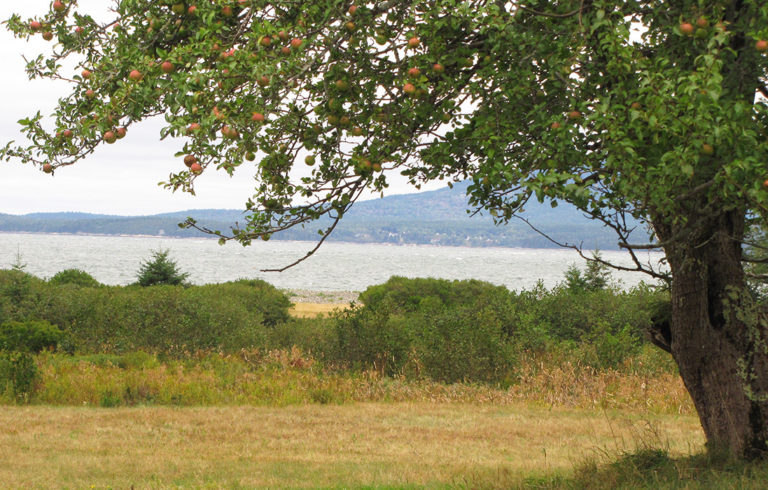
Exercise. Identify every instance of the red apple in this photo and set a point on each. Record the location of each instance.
(342, 84)
(707, 149)
(414, 42)
(635, 105)
(296, 43)
(285, 50)
(409, 89)
(47, 35)
(196, 169)
(283, 36)
(702, 22)
(189, 160)
(86, 74)
(686, 28)
(191, 10)
(58, 6)
(90, 93)
(193, 127)
(226, 11)
(266, 41)
(438, 68)
(761, 46)
(414, 72)
(35, 25)
(357, 131)
(166, 67)
(263, 81)
(135, 75)
(110, 137)
(120, 133)
(555, 125)
(257, 117)
(48, 168)
(352, 9)
(67, 133)
(79, 30)
(574, 115)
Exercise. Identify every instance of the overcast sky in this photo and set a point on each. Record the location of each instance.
(116, 179)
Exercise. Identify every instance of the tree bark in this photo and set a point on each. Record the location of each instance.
(717, 339)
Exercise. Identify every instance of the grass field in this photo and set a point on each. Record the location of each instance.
(312, 310)
(360, 444)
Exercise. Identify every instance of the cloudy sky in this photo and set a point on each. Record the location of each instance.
(116, 179)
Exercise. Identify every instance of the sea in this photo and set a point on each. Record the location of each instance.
(336, 266)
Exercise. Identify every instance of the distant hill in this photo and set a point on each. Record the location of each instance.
(434, 217)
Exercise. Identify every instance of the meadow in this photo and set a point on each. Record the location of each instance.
(420, 383)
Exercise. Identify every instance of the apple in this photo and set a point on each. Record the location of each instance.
(376, 167)
(110, 137)
(555, 125)
(193, 128)
(707, 149)
(285, 50)
(90, 93)
(226, 11)
(357, 131)
(177, 8)
(635, 105)
(409, 89)
(342, 84)
(135, 75)
(414, 72)
(266, 41)
(765, 184)
(191, 10)
(167, 67)
(250, 156)
(257, 117)
(48, 168)
(67, 133)
(120, 133)
(352, 9)
(47, 35)
(414, 42)
(296, 43)
(438, 68)
(574, 115)
(79, 30)
(761, 46)
(344, 120)
(86, 74)
(58, 6)
(196, 169)
(309, 159)
(283, 36)
(333, 120)
(189, 160)
(263, 81)
(350, 26)
(35, 25)
(686, 28)
(702, 22)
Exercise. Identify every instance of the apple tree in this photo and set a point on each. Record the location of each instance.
(645, 109)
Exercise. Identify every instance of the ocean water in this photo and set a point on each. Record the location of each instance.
(334, 267)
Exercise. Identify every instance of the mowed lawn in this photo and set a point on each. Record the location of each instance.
(353, 445)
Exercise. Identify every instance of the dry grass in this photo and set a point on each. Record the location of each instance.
(313, 310)
(433, 444)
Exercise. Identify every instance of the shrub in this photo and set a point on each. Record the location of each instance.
(74, 276)
(18, 375)
(160, 270)
(29, 336)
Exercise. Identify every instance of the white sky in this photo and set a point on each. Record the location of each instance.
(117, 179)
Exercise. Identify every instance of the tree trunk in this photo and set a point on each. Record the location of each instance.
(717, 339)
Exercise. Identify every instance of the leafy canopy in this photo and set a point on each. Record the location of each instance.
(641, 108)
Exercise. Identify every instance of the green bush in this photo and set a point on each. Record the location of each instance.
(74, 276)
(18, 375)
(444, 330)
(29, 336)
